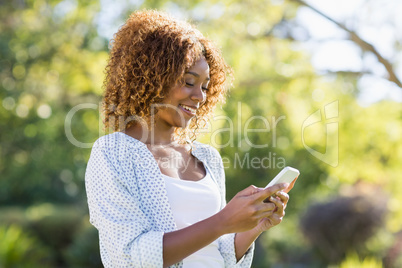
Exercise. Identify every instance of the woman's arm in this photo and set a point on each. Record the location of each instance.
(242, 213)
(179, 244)
(244, 240)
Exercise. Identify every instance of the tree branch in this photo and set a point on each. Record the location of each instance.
(348, 73)
(365, 46)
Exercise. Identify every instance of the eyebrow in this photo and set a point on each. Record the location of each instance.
(197, 75)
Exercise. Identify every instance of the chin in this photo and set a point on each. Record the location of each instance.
(183, 121)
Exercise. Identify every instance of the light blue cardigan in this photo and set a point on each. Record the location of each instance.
(128, 203)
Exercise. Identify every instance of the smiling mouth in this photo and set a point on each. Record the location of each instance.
(188, 109)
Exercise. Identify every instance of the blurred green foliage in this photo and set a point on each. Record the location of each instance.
(63, 235)
(19, 249)
(353, 260)
(52, 59)
(83, 252)
(47, 60)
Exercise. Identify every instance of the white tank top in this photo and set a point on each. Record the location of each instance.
(191, 202)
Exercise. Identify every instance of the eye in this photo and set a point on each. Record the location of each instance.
(189, 84)
(205, 89)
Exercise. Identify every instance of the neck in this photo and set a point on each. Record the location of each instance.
(157, 135)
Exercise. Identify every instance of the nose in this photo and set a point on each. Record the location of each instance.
(198, 95)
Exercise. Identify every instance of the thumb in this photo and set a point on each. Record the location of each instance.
(271, 190)
(249, 191)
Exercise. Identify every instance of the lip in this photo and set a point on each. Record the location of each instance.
(187, 112)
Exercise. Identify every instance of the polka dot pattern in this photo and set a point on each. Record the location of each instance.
(129, 206)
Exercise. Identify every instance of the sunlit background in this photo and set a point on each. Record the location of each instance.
(326, 76)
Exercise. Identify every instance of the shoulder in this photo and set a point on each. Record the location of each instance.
(116, 140)
(204, 149)
(117, 146)
(116, 156)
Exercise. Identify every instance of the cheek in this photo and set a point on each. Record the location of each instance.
(181, 93)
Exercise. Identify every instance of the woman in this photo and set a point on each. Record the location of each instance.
(156, 197)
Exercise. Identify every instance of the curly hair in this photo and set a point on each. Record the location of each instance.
(150, 54)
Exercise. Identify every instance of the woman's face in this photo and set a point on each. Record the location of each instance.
(183, 100)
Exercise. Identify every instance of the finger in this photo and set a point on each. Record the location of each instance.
(278, 204)
(266, 222)
(267, 207)
(249, 191)
(276, 219)
(284, 197)
(263, 194)
(267, 214)
(284, 203)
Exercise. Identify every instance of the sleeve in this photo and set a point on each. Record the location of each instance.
(227, 249)
(125, 234)
(227, 242)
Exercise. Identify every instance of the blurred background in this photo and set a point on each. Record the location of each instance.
(325, 75)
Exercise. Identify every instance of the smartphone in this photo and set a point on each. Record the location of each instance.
(288, 174)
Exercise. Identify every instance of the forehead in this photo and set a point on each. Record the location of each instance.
(200, 67)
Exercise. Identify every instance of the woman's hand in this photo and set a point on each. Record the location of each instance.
(247, 208)
(280, 200)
